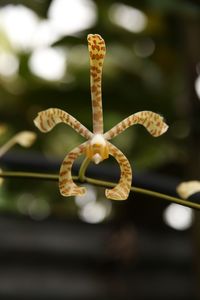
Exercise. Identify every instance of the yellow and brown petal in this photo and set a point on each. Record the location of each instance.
(97, 148)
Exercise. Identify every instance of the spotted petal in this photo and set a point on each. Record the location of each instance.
(47, 119)
(122, 189)
(66, 184)
(97, 51)
(153, 122)
(188, 188)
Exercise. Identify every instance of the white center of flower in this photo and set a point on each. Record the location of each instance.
(97, 149)
(98, 139)
(97, 158)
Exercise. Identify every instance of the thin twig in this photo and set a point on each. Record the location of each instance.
(54, 177)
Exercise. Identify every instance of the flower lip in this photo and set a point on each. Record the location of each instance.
(97, 158)
(97, 148)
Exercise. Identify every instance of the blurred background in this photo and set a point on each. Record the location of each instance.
(93, 248)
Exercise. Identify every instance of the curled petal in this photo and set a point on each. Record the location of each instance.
(66, 184)
(47, 119)
(188, 188)
(153, 122)
(122, 189)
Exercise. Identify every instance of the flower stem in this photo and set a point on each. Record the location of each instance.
(145, 192)
(82, 178)
(83, 167)
(7, 146)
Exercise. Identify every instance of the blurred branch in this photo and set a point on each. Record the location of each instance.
(84, 179)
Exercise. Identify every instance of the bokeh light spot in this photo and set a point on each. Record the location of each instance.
(48, 63)
(9, 64)
(95, 212)
(69, 17)
(19, 23)
(178, 217)
(128, 17)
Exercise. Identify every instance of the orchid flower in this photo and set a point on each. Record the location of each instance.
(23, 138)
(188, 188)
(97, 147)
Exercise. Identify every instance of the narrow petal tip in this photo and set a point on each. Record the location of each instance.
(165, 127)
(36, 121)
(92, 36)
(39, 123)
(73, 191)
(116, 194)
(158, 126)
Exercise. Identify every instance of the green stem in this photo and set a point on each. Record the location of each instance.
(54, 177)
(83, 167)
(7, 146)
(145, 192)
